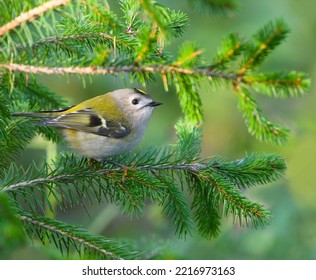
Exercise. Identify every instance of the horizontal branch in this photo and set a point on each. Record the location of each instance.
(158, 176)
(30, 15)
(269, 167)
(193, 167)
(162, 69)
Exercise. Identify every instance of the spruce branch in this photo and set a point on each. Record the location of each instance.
(141, 54)
(31, 14)
(224, 186)
(265, 40)
(250, 170)
(205, 206)
(257, 124)
(236, 204)
(156, 13)
(14, 135)
(131, 11)
(156, 175)
(229, 50)
(175, 205)
(91, 39)
(12, 235)
(116, 41)
(278, 85)
(66, 237)
(102, 15)
(226, 7)
(162, 69)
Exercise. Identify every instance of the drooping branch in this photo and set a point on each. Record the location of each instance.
(70, 233)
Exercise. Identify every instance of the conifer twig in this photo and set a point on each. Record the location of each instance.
(69, 235)
(193, 167)
(80, 37)
(31, 14)
(116, 69)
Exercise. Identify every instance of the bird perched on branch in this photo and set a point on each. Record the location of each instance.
(103, 126)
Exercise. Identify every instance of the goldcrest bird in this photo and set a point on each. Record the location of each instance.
(103, 126)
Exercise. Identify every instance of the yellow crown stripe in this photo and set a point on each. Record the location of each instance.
(140, 91)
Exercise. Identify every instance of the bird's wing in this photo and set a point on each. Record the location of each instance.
(89, 121)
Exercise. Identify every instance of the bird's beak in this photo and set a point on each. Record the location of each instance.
(154, 104)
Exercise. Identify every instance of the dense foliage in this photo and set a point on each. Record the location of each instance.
(86, 37)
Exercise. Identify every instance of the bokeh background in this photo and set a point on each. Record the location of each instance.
(292, 200)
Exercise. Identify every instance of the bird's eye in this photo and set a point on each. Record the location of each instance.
(135, 101)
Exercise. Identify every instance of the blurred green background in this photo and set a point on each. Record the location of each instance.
(292, 233)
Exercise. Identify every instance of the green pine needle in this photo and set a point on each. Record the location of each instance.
(70, 238)
(227, 7)
(279, 85)
(257, 124)
(264, 41)
(189, 97)
(251, 170)
(229, 50)
(189, 56)
(160, 175)
(87, 38)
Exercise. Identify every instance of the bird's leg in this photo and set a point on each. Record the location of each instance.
(92, 162)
